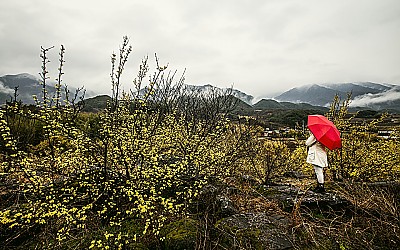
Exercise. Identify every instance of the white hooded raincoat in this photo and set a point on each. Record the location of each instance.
(316, 152)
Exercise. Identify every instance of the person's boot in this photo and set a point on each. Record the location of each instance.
(319, 188)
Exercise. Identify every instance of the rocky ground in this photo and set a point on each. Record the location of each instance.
(243, 214)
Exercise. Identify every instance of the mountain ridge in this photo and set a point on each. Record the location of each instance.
(28, 86)
(366, 95)
(371, 95)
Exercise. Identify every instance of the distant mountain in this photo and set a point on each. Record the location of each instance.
(359, 88)
(28, 85)
(388, 100)
(236, 93)
(209, 89)
(243, 100)
(269, 104)
(366, 94)
(242, 107)
(96, 104)
(312, 94)
(243, 96)
(99, 103)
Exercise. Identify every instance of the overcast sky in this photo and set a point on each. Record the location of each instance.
(261, 47)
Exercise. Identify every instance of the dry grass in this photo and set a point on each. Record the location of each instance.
(371, 222)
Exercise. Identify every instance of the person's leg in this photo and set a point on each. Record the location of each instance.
(319, 172)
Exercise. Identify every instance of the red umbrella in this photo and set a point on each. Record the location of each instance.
(324, 131)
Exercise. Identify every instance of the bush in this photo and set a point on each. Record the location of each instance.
(144, 159)
(364, 156)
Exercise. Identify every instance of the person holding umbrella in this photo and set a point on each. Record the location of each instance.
(323, 134)
(318, 158)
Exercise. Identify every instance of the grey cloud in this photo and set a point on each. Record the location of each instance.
(4, 89)
(259, 46)
(370, 99)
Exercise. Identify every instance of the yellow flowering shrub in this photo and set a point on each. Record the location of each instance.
(364, 156)
(150, 158)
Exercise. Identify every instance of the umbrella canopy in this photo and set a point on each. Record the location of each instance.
(324, 131)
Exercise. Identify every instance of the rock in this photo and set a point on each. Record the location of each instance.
(214, 201)
(289, 196)
(226, 207)
(326, 201)
(255, 231)
(295, 174)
